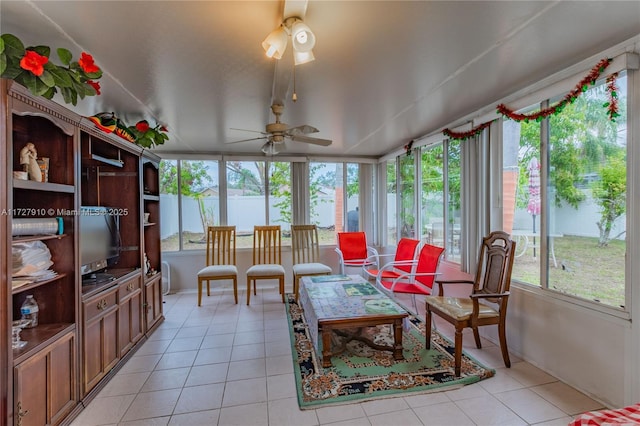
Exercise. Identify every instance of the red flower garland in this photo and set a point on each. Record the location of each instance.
(468, 134)
(34, 62)
(559, 106)
(408, 146)
(87, 64)
(612, 91)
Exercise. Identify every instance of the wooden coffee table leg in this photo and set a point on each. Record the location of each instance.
(397, 336)
(326, 346)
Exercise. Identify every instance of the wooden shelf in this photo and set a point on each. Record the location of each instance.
(38, 338)
(27, 238)
(36, 284)
(43, 186)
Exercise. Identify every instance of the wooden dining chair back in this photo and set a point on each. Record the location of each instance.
(487, 304)
(419, 280)
(267, 258)
(305, 247)
(220, 259)
(353, 251)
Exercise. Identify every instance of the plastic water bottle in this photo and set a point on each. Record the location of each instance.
(29, 311)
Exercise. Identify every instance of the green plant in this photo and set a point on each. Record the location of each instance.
(148, 136)
(30, 66)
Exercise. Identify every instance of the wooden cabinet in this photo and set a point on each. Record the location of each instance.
(45, 388)
(130, 322)
(85, 329)
(43, 383)
(153, 301)
(100, 337)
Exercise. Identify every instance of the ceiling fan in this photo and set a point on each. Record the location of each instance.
(276, 133)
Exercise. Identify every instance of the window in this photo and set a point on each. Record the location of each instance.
(432, 194)
(258, 193)
(406, 187)
(392, 216)
(188, 211)
(169, 217)
(585, 205)
(453, 201)
(353, 196)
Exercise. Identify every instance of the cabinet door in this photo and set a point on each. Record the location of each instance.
(45, 385)
(153, 301)
(30, 395)
(63, 394)
(100, 344)
(130, 328)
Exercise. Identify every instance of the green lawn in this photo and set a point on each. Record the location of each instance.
(584, 269)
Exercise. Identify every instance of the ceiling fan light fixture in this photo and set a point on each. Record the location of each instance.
(300, 58)
(276, 43)
(302, 37)
(302, 41)
(270, 148)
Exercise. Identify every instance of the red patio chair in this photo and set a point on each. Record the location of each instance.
(419, 280)
(403, 260)
(353, 251)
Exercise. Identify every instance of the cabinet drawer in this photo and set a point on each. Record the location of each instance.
(128, 288)
(99, 304)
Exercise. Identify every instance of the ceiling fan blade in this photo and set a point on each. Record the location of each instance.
(301, 130)
(247, 130)
(309, 139)
(247, 140)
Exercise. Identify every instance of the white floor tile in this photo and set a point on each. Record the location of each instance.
(285, 412)
(245, 415)
(228, 364)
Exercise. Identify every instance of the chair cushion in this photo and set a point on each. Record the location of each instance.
(460, 308)
(218, 271)
(311, 268)
(271, 270)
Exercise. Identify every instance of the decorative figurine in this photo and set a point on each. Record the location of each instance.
(28, 157)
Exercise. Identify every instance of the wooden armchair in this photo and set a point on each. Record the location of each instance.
(487, 304)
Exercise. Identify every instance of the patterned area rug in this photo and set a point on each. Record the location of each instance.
(362, 373)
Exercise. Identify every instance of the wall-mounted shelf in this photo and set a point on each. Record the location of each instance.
(43, 186)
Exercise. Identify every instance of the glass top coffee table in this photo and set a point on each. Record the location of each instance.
(343, 303)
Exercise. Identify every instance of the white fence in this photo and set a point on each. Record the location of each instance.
(243, 211)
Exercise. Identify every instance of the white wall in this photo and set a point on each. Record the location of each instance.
(186, 264)
(576, 344)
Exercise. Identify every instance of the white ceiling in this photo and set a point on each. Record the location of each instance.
(385, 72)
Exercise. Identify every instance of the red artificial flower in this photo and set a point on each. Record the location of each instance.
(87, 64)
(164, 129)
(95, 85)
(142, 126)
(33, 61)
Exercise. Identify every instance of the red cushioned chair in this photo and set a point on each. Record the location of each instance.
(419, 280)
(403, 260)
(353, 251)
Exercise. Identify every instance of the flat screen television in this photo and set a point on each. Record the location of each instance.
(99, 239)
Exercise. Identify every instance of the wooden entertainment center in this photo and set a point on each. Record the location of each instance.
(87, 329)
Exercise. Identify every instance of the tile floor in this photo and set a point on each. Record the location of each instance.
(227, 364)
